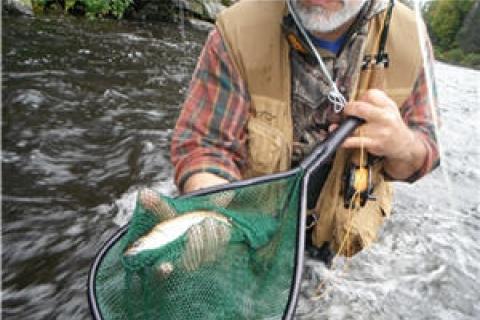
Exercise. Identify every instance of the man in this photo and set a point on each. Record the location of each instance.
(257, 104)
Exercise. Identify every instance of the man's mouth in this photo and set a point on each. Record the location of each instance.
(327, 4)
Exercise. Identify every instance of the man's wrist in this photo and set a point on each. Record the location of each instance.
(202, 180)
(409, 161)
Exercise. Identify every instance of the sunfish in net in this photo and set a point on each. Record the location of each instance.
(206, 234)
(205, 240)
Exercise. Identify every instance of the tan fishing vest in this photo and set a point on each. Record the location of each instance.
(251, 30)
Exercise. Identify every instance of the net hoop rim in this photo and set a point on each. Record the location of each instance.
(322, 152)
(92, 297)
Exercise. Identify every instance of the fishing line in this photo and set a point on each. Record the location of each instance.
(427, 66)
(354, 204)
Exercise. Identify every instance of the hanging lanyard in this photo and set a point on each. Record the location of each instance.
(334, 95)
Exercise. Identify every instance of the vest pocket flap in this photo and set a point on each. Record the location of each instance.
(267, 148)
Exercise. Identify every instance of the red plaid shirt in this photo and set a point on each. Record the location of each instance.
(210, 134)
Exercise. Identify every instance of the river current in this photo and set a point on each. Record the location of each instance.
(87, 115)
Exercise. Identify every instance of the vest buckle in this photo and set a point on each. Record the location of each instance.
(371, 61)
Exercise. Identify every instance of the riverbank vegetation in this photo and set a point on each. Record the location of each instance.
(90, 8)
(452, 25)
(143, 9)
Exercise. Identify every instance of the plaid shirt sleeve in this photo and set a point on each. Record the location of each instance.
(210, 134)
(418, 114)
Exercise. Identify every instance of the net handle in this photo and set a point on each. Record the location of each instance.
(319, 156)
(326, 149)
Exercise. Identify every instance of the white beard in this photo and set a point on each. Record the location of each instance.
(318, 19)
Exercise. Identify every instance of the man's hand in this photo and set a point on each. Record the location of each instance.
(385, 134)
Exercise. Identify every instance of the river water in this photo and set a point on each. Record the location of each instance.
(88, 109)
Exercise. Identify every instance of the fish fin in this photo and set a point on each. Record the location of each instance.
(205, 243)
(156, 204)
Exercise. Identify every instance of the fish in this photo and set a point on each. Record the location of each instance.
(170, 230)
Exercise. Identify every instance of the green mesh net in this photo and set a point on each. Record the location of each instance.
(225, 255)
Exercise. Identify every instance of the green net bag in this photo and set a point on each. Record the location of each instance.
(230, 252)
(224, 255)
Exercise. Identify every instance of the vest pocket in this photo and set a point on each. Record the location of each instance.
(357, 230)
(350, 230)
(363, 226)
(267, 148)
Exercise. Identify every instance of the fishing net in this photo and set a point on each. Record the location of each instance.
(224, 255)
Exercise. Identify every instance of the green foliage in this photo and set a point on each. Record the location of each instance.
(444, 20)
(472, 60)
(118, 7)
(38, 6)
(91, 8)
(458, 56)
(95, 8)
(69, 4)
(439, 54)
(454, 55)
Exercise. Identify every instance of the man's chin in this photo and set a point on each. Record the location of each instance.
(323, 23)
(319, 19)
(324, 30)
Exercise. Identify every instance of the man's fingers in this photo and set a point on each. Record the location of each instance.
(378, 98)
(358, 142)
(332, 127)
(364, 110)
(372, 106)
